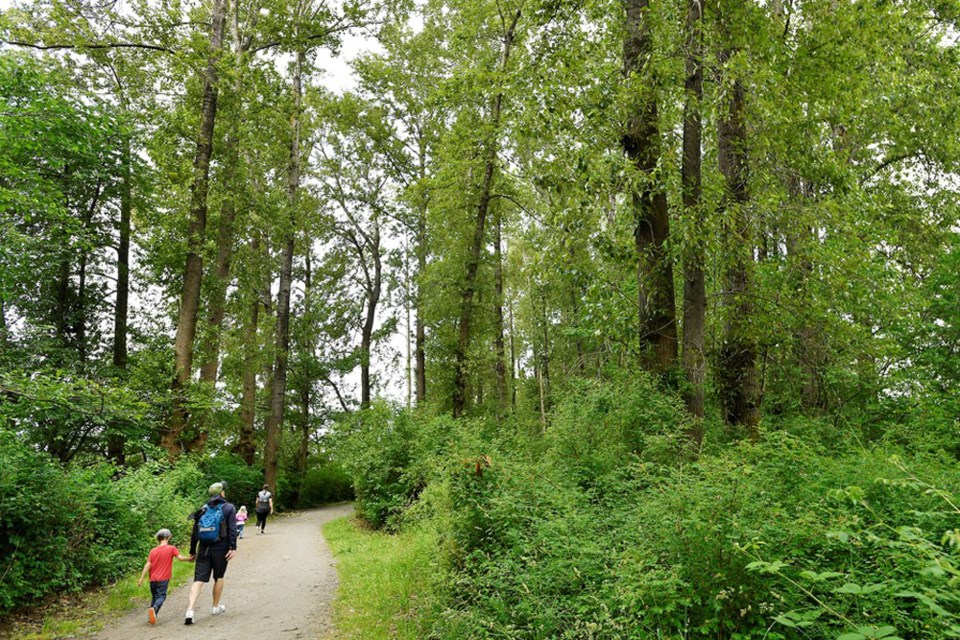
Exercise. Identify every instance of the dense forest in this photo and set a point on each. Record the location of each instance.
(647, 312)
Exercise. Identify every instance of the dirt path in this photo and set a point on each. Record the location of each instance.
(279, 587)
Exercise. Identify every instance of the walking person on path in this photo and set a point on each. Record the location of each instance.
(241, 521)
(264, 507)
(159, 566)
(214, 544)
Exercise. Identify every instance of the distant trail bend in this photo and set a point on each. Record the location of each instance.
(280, 586)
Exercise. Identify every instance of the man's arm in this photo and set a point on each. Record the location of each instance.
(193, 534)
(231, 516)
(271, 504)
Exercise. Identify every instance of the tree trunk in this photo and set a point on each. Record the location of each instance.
(513, 363)
(306, 382)
(373, 299)
(694, 279)
(61, 308)
(193, 273)
(479, 235)
(421, 338)
(121, 308)
(641, 143)
(499, 346)
(738, 379)
(248, 401)
(279, 386)
(226, 234)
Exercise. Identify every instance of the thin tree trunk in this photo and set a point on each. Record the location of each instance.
(408, 327)
(479, 235)
(739, 382)
(4, 328)
(226, 234)
(694, 280)
(248, 401)
(306, 382)
(193, 273)
(513, 363)
(542, 368)
(420, 337)
(279, 386)
(369, 321)
(499, 346)
(80, 318)
(304, 427)
(122, 306)
(641, 143)
(62, 313)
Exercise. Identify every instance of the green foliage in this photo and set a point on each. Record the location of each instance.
(243, 482)
(325, 484)
(375, 450)
(64, 529)
(600, 529)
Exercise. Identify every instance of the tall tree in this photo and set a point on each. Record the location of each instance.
(694, 280)
(193, 272)
(490, 153)
(737, 364)
(278, 388)
(642, 145)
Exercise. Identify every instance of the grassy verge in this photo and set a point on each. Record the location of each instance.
(385, 582)
(84, 614)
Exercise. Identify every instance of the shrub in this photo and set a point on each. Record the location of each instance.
(325, 484)
(374, 447)
(243, 481)
(62, 529)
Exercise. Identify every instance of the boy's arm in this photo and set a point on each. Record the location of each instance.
(181, 557)
(143, 574)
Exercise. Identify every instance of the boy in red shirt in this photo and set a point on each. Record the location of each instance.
(160, 567)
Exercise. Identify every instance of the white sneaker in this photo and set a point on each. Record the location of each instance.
(220, 608)
(188, 619)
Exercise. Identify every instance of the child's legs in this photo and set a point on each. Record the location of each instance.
(158, 589)
(240, 530)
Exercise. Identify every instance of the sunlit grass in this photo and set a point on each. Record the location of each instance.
(384, 581)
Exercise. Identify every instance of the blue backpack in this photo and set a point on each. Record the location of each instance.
(208, 526)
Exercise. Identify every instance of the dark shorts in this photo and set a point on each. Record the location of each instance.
(210, 561)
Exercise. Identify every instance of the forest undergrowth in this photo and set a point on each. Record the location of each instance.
(604, 525)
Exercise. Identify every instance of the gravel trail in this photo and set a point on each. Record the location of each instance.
(279, 586)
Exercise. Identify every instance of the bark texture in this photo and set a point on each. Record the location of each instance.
(738, 379)
(641, 143)
(468, 292)
(279, 386)
(193, 272)
(694, 279)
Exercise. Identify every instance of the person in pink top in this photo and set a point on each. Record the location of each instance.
(241, 519)
(159, 566)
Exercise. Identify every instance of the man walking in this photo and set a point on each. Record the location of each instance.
(214, 544)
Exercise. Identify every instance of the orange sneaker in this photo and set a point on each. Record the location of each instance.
(151, 616)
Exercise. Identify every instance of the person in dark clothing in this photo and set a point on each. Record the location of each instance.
(264, 507)
(212, 558)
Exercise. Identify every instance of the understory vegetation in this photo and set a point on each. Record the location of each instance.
(65, 529)
(605, 525)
